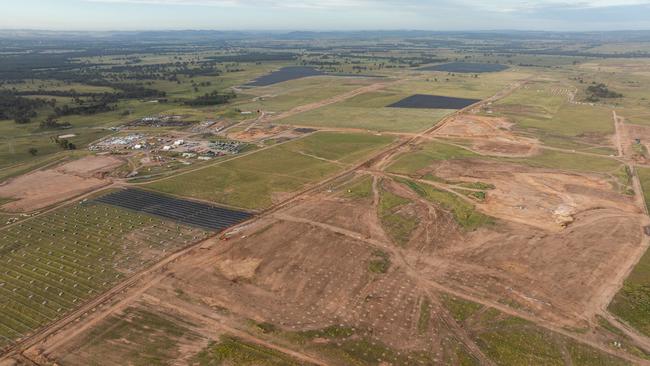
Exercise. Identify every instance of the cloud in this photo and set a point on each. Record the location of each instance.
(532, 6)
(493, 5)
(310, 4)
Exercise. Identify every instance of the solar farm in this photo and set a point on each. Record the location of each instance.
(466, 67)
(196, 214)
(54, 263)
(313, 201)
(421, 101)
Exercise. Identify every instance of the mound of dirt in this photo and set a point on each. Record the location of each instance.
(243, 269)
(469, 125)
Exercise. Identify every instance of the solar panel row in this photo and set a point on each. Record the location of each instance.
(187, 212)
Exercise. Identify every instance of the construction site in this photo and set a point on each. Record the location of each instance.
(443, 213)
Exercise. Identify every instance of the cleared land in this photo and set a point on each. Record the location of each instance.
(323, 282)
(43, 188)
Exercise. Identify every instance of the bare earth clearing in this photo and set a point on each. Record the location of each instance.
(44, 188)
(489, 135)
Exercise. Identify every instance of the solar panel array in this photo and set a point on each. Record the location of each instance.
(433, 102)
(187, 212)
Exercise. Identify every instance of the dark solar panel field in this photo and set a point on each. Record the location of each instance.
(298, 72)
(187, 212)
(465, 67)
(285, 74)
(424, 101)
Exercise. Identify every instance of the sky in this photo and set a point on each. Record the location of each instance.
(319, 15)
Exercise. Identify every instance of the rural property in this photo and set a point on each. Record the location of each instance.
(409, 198)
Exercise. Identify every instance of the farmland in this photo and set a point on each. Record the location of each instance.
(257, 181)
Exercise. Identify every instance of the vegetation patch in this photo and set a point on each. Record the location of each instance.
(413, 162)
(632, 302)
(478, 185)
(582, 355)
(464, 212)
(425, 315)
(568, 161)
(597, 91)
(519, 346)
(460, 309)
(644, 177)
(360, 188)
(137, 337)
(380, 262)
(231, 350)
(348, 347)
(398, 224)
(508, 340)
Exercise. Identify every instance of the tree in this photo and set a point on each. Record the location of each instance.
(52, 123)
(32, 151)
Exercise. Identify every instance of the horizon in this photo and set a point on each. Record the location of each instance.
(339, 15)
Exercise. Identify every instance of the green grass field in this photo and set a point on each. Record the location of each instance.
(511, 341)
(368, 111)
(464, 213)
(425, 155)
(290, 94)
(233, 351)
(644, 177)
(359, 188)
(53, 263)
(138, 335)
(457, 85)
(568, 161)
(542, 109)
(258, 180)
(378, 119)
(398, 225)
(632, 302)
(413, 162)
(15, 150)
